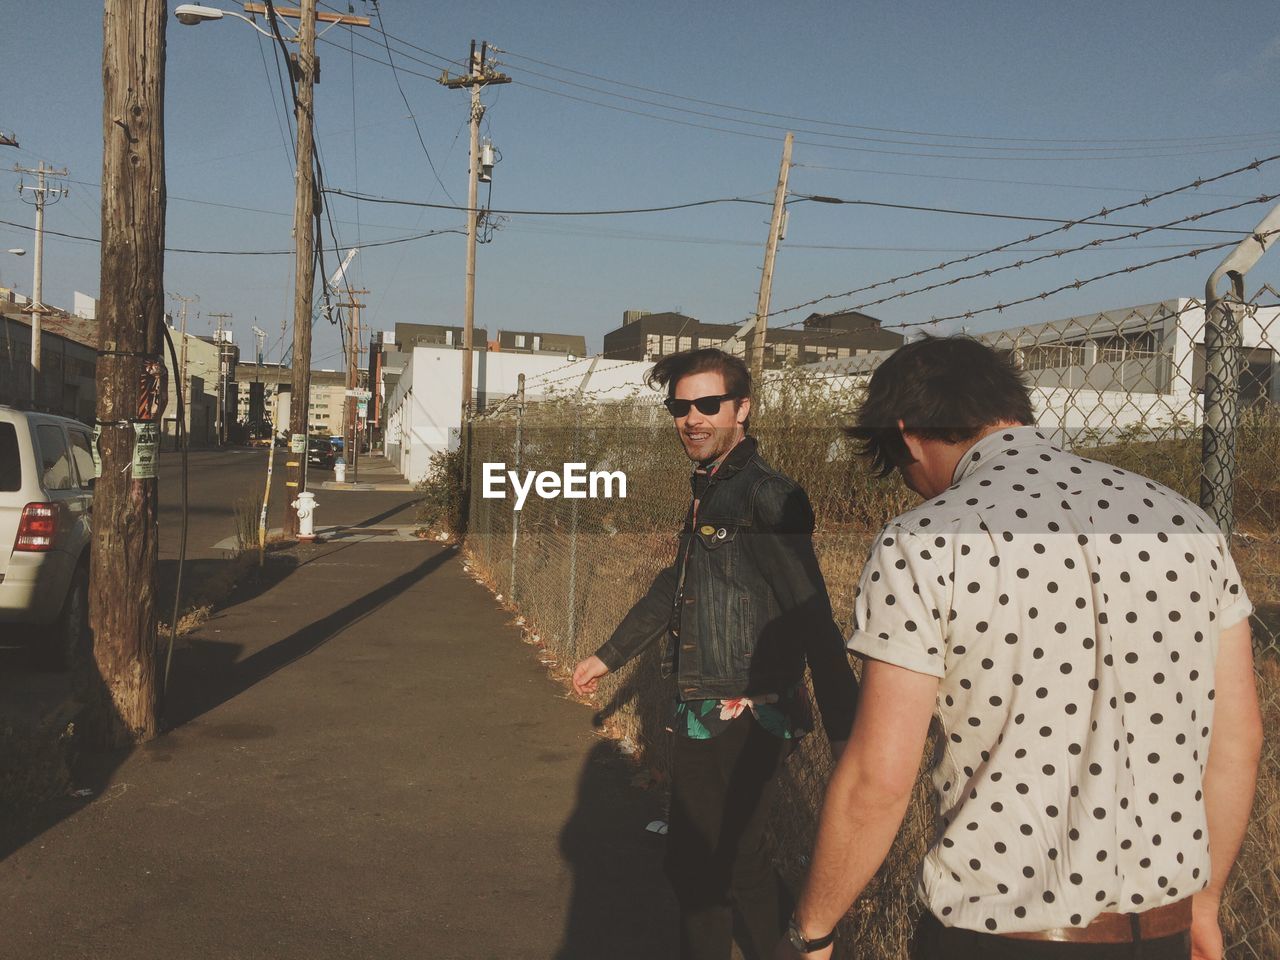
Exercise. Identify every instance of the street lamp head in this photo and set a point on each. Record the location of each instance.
(192, 13)
(17, 251)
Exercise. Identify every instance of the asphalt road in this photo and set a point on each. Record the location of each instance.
(217, 481)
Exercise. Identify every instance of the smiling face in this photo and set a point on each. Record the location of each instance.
(709, 437)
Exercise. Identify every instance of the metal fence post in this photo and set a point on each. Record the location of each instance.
(573, 534)
(1222, 372)
(515, 514)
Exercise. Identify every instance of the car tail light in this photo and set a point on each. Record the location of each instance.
(37, 528)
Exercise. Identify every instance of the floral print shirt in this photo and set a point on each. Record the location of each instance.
(787, 715)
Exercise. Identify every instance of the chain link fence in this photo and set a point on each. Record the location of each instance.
(1125, 387)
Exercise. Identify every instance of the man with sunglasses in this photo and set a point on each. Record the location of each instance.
(740, 611)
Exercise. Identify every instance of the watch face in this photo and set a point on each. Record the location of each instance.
(797, 940)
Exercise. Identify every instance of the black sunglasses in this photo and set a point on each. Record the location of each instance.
(707, 406)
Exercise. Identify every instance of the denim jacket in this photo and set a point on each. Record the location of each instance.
(753, 608)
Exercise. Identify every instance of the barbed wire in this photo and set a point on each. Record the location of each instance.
(982, 274)
(1146, 200)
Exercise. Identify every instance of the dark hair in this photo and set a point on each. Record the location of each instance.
(673, 368)
(941, 388)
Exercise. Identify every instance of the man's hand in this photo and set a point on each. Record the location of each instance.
(1206, 935)
(587, 674)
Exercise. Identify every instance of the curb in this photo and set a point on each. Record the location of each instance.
(383, 487)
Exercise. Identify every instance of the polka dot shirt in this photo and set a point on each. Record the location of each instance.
(1071, 611)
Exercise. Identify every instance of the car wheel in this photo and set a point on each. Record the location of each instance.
(70, 642)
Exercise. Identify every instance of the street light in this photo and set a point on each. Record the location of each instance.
(192, 14)
(17, 251)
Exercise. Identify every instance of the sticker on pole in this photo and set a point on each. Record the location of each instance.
(146, 449)
(298, 443)
(97, 457)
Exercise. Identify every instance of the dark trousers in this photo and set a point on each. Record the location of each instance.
(721, 791)
(933, 941)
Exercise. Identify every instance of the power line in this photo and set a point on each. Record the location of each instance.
(1058, 148)
(246, 253)
(831, 146)
(371, 198)
(377, 11)
(894, 130)
(1003, 181)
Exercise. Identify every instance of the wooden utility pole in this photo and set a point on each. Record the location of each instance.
(181, 372)
(350, 435)
(42, 195)
(130, 318)
(770, 255)
(304, 211)
(479, 76)
(304, 272)
(220, 418)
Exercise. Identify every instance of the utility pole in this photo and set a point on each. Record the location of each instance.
(222, 374)
(350, 435)
(130, 400)
(770, 255)
(479, 76)
(182, 358)
(42, 195)
(304, 273)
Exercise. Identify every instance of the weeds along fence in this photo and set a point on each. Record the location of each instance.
(1125, 387)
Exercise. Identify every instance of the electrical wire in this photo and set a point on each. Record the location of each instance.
(1002, 181)
(894, 130)
(242, 253)
(377, 11)
(832, 146)
(372, 198)
(182, 529)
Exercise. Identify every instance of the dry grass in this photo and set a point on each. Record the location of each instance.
(579, 569)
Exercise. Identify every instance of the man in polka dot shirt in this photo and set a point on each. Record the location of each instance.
(1080, 634)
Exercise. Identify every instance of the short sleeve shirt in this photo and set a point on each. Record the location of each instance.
(1071, 611)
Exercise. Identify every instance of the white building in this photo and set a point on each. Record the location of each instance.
(424, 408)
(1135, 367)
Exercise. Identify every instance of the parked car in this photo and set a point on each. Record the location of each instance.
(320, 453)
(46, 500)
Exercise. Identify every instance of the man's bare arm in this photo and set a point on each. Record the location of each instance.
(1230, 775)
(869, 791)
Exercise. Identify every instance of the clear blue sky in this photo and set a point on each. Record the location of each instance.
(1089, 104)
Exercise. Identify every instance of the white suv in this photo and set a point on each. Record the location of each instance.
(46, 498)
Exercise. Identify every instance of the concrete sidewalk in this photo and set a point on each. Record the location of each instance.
(366, 762)
(374, 472)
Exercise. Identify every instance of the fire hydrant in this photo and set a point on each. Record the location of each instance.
(305, 504)
(340, 470)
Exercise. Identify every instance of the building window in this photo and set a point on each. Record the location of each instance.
(652, 344)
(668, 344)
(519, 339)
(686, 343)
(1053, 356)
(537, 342)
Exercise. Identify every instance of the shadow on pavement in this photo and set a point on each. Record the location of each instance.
(621, 906)
(208, 673)
(204, 674)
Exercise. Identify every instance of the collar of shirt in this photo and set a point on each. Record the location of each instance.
(984, 453)
(729, 464)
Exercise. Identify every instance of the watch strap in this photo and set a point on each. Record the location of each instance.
(802, 943)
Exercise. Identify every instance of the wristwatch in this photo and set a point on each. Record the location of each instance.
(796, 938)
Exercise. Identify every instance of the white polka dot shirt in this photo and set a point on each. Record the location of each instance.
(1071, 611)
